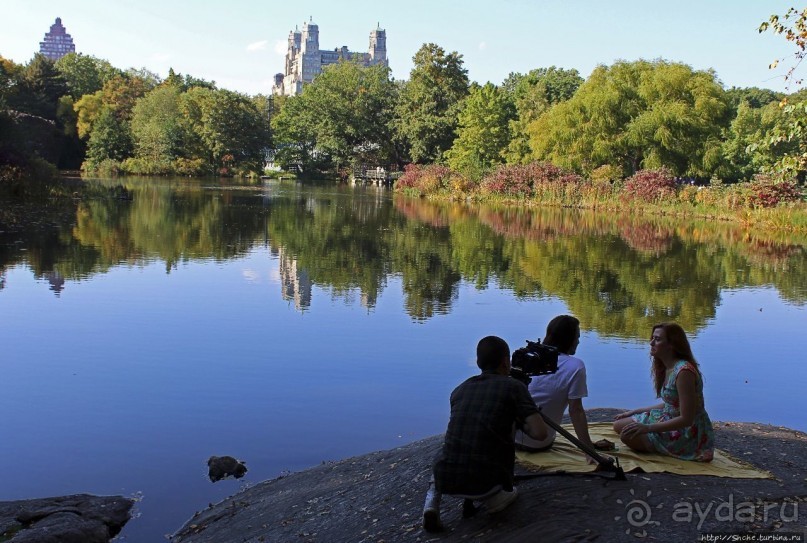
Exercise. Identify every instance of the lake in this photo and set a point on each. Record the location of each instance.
(157, 322)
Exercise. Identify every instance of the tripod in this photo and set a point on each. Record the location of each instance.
(605, 464)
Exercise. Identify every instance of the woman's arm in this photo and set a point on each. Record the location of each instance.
(637, 411)
(687, 384)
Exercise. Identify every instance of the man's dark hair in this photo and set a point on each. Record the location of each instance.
(561, 332)
(490, 351)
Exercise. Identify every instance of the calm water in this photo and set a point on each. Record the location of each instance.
(153, 326)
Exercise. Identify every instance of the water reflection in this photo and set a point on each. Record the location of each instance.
(619, 275)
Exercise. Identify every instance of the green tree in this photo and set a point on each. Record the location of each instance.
(532, 94)
(40, 87)
(294, 136)
(747, 148)
(637, 115)
(345, 114)
(110, 139)
(157, 128)
(793, 26)
(233, 132)
(85, 74)
(352, 108)
(427, 111)
(483, 132)
(753, 96)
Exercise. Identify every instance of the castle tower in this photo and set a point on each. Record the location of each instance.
(305, 60)
(57, 42)
(311, 58)
(378, 46)
(310, 37)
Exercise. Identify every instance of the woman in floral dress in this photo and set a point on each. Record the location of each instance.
(679, 426)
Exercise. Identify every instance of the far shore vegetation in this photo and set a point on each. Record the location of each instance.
(636, 136)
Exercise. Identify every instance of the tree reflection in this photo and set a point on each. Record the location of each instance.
(619, 275)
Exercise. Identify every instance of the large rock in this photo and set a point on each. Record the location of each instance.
(80, 518)
(379, 497)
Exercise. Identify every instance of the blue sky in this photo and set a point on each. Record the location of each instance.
(240, 43)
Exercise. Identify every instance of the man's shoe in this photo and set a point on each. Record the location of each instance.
(431, 510)
(500, 500)
(431, 520)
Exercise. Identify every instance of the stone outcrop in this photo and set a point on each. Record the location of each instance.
(80, 518)
(379, 497)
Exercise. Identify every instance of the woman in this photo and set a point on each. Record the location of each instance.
(680, 426)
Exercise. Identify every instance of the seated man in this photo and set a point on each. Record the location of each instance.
(478, 454)
(566, 387)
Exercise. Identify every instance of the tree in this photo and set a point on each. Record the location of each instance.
(795, 32)
(532, 94)
(794, 129)
(345, 114)
(156, 127)
(40, 87)
(8, 80)
(85, 74)
(118, 95)
(637, 115)
(294, 135)
(110, 140)
(427, 111)
(228, 126)
(483, 132)
(352, 108)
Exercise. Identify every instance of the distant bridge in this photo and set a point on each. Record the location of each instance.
(374, 175)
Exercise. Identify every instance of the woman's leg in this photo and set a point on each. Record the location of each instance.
(638, 443)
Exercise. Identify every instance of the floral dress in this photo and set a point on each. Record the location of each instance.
(695, 442)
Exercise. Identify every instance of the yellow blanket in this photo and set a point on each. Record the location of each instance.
(564, 456)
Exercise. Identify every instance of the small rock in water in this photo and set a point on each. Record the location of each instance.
(220, 467)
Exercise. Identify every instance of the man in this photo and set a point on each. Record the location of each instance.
(478, 455)
(565, 388)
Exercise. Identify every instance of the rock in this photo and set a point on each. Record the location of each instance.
(220, 467)
(379, 497)
(80, 518)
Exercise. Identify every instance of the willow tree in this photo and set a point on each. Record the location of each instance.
(637, 115)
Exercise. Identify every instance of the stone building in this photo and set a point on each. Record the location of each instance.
(305, 59)
(57, 42)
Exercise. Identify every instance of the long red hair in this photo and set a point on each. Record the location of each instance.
(676, 336)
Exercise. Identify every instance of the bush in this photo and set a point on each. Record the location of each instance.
(191, 166)
(606, 174)
(430, 179)
(766, 192)
(651, 186)
(523, 181)
(23, 176)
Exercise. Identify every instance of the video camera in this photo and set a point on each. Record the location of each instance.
(534, 359)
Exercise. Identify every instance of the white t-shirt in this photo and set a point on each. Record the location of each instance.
(552, 393)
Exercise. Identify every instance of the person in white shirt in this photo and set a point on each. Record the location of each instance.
(554, 392)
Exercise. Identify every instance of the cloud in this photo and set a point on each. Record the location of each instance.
(281, 47)
(257, 46)
(483, 46)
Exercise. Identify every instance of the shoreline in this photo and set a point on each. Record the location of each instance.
(379, 497)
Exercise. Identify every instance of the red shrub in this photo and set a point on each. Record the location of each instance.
(765, 192)
(650, 185)
(521, 180)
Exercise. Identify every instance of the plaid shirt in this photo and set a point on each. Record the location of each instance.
(478, 452)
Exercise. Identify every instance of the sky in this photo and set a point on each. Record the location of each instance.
(240, 44)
